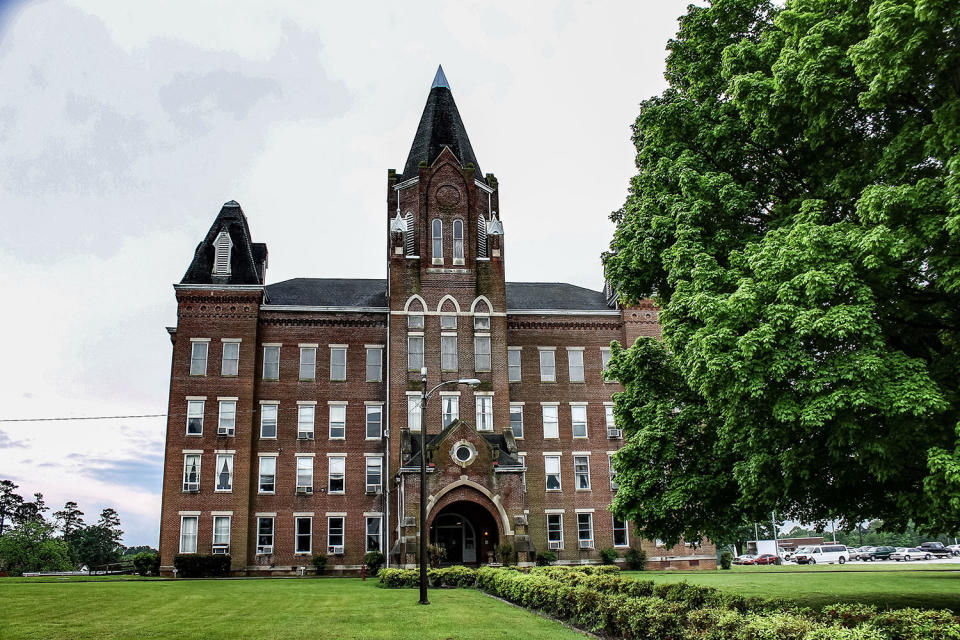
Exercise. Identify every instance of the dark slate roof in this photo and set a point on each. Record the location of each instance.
(495, 439)
(440, 126)
(329, 292)
(554, 295)
(247, 259)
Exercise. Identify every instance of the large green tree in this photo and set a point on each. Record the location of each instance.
(796, 216)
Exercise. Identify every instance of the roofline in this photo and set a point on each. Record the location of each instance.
(220, 287)
(406, 183)
(387, 310)
(561, 312)
(322, 309)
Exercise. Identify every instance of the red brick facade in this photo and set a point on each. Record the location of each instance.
(498, 494)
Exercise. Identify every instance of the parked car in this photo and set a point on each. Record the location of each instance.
(955, 548)
(823, 553)
(882, 553)
(906, 554)
(936, 549)
(765, 558)
(745, 558)
(863, 553)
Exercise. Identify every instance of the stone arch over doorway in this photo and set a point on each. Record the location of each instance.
(467, 490)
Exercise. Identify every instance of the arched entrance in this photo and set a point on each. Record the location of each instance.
(466, 531)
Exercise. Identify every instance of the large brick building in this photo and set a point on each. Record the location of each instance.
(294, 413)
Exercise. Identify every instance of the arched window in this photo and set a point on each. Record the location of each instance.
(437, 239)
(408, 240)
(481, 236)
(458, 241)
(221, 258)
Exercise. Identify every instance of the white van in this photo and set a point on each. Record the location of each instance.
(824, 553)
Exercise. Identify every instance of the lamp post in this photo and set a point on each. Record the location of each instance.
(424, 396)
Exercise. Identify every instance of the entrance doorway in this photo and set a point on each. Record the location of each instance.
(466, 531)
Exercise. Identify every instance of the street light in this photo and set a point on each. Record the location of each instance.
(424, 396)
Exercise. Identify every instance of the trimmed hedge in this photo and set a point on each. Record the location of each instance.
(456, 576)
(191, 565)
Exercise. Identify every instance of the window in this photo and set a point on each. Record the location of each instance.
(373, 533)
(198, 358)
(481, 353)
(484, 413)
(581, 472)
(268, 421)
(513, 365)
(224, 472)
(221, 254)
(458, 241)
(451, 409)
(437, 229)
(613, 473)
(335, 535)
(415, 321)
(578, 417)
(268, 474)
(374, 474)
(227, 423)
(221, 534)
(374, 364)
(604, 359)
(555, 530)
(413, 413)
(608, 414)
(188, 534)
(523, 475)
(575, 364)
(516, 420)
(620, 532)
(551, 465)
(191, 472)
(414, 353)
(264, 535)
(448, 353)
(304, 529)
(374, 421)
(551, 422)
(336, 465)
(304, 474)
(195, 417)
(230, 364)
(308, 363)
(338, 421)
(585, 530)
(271, 362)
(481, 323)
(548, 366)
(338, 363)
(448, 322)
(305, 419)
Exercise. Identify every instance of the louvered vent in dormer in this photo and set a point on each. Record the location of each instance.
(221, 260)
(408, 241)
(481, 236)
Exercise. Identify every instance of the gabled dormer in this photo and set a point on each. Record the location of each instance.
(226, 255)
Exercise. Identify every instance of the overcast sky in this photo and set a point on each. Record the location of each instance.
(125, 125)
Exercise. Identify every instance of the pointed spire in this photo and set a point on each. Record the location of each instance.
(440, 80)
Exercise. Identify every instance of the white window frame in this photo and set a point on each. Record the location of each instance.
(436, 240)
(547, 473)
(522, 457)
(585, 518)
(555, 532)
(367, 534)
(338, 424)
(613, 473)
(415, 320)
(449, 401)
(373, 469)
(306, 420)
(334, 350)
(482, 358)
(579, 474)
(198, 363)
(330, 532)
(227, 418)
(548, 365)
(625, 529)
(192, 486)
(378, 410)
(220, 459)
(196, 407)
(516, 408)
(269, 363)
(334, 475)
(233, 346)
(184, 546)
(575, 369)
(413, 411)
(458, 242)
(511, 366)
(605, 355)
(448, 357)
(415, 358)
(378, 351)
(304, 473)
(269, 415)
(554, 422)
(262, 537)
(261, 475)
(484, 412)
(308, 363)
(578, 421)
(297, 536)
(608, 416)
(221, 542)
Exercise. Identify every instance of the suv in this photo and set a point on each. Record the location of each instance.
(825, 553)
(936, 549)
(881, 553)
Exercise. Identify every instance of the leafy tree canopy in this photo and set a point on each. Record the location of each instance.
(796, 216)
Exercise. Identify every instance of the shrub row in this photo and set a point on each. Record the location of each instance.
(610, 606)
(192, 565)
(147, 563)
(456, 576)
(584, 569)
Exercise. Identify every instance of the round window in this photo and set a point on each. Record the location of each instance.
(463, 453)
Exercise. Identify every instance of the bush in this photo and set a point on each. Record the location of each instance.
(373, 560)
(636, 559)
(726, 559)
(546, 558)
(608, 555)
(457, 576)
(319, 561)
(437, 554)
(192, 565)
(398, 578)
(505, 553)
(147, 563)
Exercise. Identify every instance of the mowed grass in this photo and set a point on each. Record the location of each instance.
(887, 586)
(288, 608)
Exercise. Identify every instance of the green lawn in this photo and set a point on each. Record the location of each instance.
(291, 608)
(895, 586)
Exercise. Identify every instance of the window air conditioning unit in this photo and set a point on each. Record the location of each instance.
(305, 435)
(554, 544)
(220, 549)
(304, 491)
(520, 521)
(335, 550)
(265, 549)
(614, 434)
(586, 544)
(226, 432)
(373, 488)
(191, 487)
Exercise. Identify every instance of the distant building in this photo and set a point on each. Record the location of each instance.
(294, 417)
